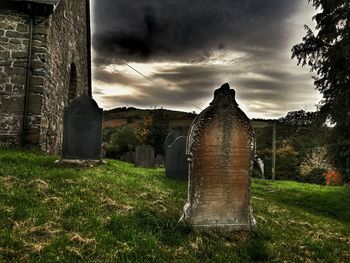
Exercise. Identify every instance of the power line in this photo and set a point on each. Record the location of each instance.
(154, 82)
(139, 72)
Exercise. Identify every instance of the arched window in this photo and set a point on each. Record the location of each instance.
(73, 83)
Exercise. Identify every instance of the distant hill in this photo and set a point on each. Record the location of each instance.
(132, 116)
(177, 119)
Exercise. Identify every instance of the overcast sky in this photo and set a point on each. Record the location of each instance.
(191, 47)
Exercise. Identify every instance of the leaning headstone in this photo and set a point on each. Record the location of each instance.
(144, 156)
(221, 148)
(170, 139)
(130, 157)
(159, 160)
(176, 162)
(82, 130)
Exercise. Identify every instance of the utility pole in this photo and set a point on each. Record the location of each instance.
(274, 152)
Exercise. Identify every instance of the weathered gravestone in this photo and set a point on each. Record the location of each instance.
(82, 130)
(129, 157)
(144, 156)
(176, 161)
(170, 139)
(221, 148)
(159, 160)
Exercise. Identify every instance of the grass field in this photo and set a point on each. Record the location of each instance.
(118, 213)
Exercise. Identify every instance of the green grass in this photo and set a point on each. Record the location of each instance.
(118, 213)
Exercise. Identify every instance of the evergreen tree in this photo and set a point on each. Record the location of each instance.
(327, 52)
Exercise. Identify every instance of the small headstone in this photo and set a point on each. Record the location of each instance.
(170, 139)
(221, 148)
(159, 160)
(176, 162)
(144, 156)
(259, 166)
(130, 157)
(82, 130)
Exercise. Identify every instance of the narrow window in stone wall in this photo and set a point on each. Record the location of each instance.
(73, 84)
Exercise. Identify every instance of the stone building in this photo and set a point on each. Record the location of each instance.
(44, 64)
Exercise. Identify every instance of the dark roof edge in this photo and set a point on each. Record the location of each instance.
(34, 7)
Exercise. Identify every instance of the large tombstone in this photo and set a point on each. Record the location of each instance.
(82, 130)
(176, 161)
(221, 148)
(170, 139)
(144, 156)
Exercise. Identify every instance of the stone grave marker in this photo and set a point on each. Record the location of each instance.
(170, 139)
(258, 167)
(82, 130)
(221, 148)
(159, 160)
(176, 162)
(144, 156)
(129, 157)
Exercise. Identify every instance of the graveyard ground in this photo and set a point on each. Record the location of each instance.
(118, 213)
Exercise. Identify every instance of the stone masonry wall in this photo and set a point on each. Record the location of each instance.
(58, 42)
(13, 51)
(66, 46)
(37, 80)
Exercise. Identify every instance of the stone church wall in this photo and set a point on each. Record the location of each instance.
(13, 51)
(66, 46)
(59, 72)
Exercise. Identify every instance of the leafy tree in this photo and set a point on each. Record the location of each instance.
(159, 130)
(153, 130)
(299, 118)
(315, 166)
(287, 162)
(298, 133)
(119, 141)
(327, 52)
(143, 129)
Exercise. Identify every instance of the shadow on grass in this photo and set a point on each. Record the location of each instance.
(149, 230)
(331, 202)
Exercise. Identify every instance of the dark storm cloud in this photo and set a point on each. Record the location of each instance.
(148, 95)
(111, 77)
(185, 29)
(244, 42)
(196, 83)
(185, 73)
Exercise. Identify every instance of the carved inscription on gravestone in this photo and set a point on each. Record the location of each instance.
(221, 147)
(176, 162)
(144, 156)
(82, 130)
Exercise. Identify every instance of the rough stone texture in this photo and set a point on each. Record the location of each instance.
(170, 139)
(221, 148)
(59, 44)
(12, 75)
(176, 162)
(159, 160)
(82, 135)
(144, 156)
